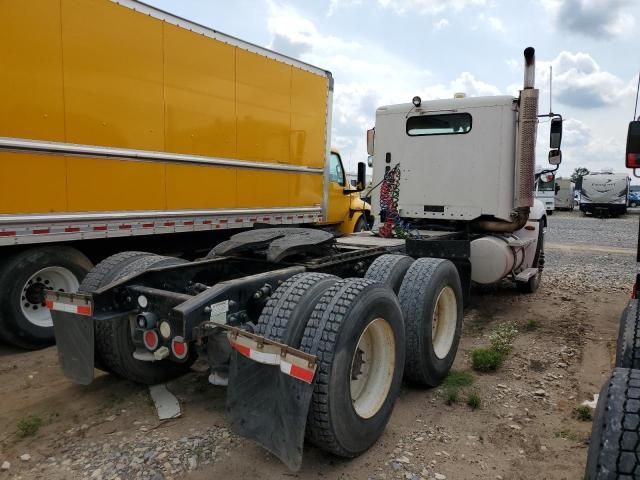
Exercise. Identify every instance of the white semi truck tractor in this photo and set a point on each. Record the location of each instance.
(313, 334)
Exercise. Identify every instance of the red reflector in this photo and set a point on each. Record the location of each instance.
(147, 225)
(100, 228)
(169, 224)
(84, 309)
(40, 231)
(150, 339)
(72, 229)
(188, 222)
(179, 348)
(7, 234)
(529, 227)
(124, 226)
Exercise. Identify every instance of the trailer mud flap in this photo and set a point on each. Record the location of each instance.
(268, 406)
(75, 345)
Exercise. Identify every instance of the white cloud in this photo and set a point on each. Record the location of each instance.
(578, 81)
(335, 5)
(441, 24)
(495, 24)
(428, 7)
(593, 18)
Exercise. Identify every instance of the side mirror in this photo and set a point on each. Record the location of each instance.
(555, 157)
(371, 133)
(555, 137)
(362, 176)
(633, 145)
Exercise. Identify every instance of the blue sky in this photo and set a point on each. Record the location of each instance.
(386, 51)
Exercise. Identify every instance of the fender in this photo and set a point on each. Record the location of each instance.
(537, 220)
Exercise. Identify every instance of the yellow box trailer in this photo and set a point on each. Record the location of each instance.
(121, 124)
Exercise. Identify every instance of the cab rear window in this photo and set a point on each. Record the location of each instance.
(447, 124)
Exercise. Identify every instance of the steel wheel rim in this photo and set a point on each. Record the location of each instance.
(372, 368)
(443, 323)
(32, 304)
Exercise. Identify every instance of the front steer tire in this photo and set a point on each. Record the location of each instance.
(614, 449)
(342, 317)
(114, 346)
(431, 349)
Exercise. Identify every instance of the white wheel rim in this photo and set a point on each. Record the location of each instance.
(443, 324)
(32, 304)
(372, 368)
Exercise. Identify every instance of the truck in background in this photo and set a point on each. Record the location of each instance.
(155, 133)
(545, 188)
(605, 193)
(565, 194)
(311, 349)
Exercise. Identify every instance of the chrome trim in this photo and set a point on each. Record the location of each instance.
(211, 33)
(132, 215)
(20, 145)
(327, 160)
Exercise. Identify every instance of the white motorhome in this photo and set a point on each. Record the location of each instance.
(605, 193)
(545, 186)
(565, 193)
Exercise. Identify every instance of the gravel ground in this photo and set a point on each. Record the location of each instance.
(524, 429)
(591, 254)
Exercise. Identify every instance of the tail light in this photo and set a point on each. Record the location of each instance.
(150, 339)
(179, 348)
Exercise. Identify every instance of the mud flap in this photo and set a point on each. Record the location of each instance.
(75, 345)
(269, 407)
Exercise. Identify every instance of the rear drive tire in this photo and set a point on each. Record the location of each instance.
(615, 437)
(356, 332)
(24, 319)
(114, 345)
(431, 299)
(628, 346)
(285, 316)
(390, 270)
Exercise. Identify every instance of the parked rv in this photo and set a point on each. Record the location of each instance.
(605, 193)
(565, 194)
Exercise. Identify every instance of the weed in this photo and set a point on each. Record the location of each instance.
(502, 337)
(451, 395)
(582, 412)
(486, 359)
(458, 378)
(28, 426)
(566, 434)
(473, 400)
(531, 325)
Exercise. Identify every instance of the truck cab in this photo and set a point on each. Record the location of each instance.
(545, 189)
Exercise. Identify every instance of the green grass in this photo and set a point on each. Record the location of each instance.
(473, 400)
(486, 359)
(451, 396)
(582, 412)
(458, 379)
(566, 434)
(29, 426)
(531, 325)
(502, 338)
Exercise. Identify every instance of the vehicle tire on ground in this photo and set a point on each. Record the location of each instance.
(431, 299)
(285, 316)
(25, 320)
(628, 346)
(114, 346)
(615, 436)
(361, 225)
(534, 282)
(390, 270)
(357, 334)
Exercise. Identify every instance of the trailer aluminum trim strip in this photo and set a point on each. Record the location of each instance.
(20, 145)
(292, 362)
(211, 33)
(29, 229)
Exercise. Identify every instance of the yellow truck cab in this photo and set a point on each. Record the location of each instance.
(129, 128)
